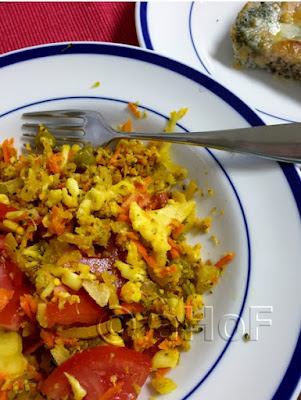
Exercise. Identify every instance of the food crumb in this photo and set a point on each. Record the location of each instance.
(246, 337)
(95, 85)
(213, 211)
(215, 240)
(204, 225)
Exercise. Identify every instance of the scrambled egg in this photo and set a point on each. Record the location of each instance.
(155, 226)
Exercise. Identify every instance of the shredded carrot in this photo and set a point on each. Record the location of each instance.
(30, 236)
(129, 308)
(174, 253)
(116, 154)
(161, 372)
(5, 296)
(176, 232)
(53, 162)
(3, 395)
(132, 236)
(48, 338)
(8, 150)
(38, 160)
(149, 259)
(141, 187)
(71, 153)
(134, 110)
(57, 223)
(31, 349)
(175, 249)
(145, 342)
(128, 200)
(188, 309)
(214, 279)
(124, 218)
(142, 161)
(173, 244)
(86, 187)
(225, 260)
(127, 126)
(112, 391)
(164, 345)
(29, 306)
(166, 271)
(20, 384)
(142, 199)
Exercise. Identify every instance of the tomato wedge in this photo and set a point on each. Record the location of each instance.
(13, 279)
(94, 369)
(11, 316)
(85, 312)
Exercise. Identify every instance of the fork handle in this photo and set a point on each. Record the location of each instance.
(277, 142)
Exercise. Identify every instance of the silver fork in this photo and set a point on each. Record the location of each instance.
(277, 142)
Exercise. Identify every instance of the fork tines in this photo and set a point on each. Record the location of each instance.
(63, 124)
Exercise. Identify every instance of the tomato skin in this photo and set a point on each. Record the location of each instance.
(10, 317)
(94, 367)
(11, 278)
(4, 209)
(85, 312)
(2, 237)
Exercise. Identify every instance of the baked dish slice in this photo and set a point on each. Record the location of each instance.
(268, 35)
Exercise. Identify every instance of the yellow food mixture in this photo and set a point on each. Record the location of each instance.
(74, 204)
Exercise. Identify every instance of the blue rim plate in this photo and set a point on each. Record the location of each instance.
(30, 74)
(189, 25)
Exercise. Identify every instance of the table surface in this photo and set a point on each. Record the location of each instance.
(30, 24)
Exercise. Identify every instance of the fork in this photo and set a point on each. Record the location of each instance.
(277, 142)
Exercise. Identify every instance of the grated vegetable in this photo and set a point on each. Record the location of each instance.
(103, 231)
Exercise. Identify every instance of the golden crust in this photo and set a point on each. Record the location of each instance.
(257, 44)
(287, 49)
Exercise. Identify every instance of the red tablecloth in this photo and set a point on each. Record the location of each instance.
(29, 24)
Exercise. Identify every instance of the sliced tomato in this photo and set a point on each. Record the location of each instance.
(85, 312)
(4, 209)
(94, 369)
(12, 278)
(2, 237)
(151, 351)
(11, 317)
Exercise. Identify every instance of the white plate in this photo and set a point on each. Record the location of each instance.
(260, 199)
(198, 34)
